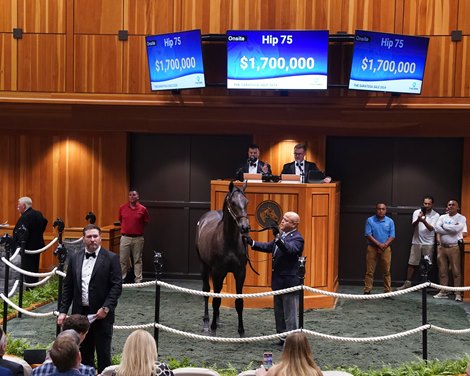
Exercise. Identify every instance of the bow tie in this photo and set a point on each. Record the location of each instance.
(88, 255)
(253, 164)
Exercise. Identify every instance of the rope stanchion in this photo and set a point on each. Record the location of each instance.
(13, 289)
(73, 241)
(39, 283)
(40, 250)
(25, 272)
(22, 310)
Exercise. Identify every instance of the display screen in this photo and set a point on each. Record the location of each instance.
(388, 62)
(175, 60)
(274, 59)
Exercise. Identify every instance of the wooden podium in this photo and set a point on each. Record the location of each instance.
(318, 206)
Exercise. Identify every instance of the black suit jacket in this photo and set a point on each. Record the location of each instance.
(285, 272)
(246, 168)
(289, 168)
(16, 369)
(36, 225)
(105, 285)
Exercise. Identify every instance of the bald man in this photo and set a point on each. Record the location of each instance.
(286, 248)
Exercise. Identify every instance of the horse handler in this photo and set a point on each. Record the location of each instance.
(286, 248)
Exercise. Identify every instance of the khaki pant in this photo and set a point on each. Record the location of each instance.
(449, 257)
(384, 258)
(131, 246)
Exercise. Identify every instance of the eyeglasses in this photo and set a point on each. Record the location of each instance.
(299, 153)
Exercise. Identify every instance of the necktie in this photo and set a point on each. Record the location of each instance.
(88, 255)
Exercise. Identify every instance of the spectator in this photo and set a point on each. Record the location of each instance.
(379, 232)
(296, 359)
(36, 224)
(450, 228)
(133, 217)
(16, 369)
(73, 325)
(65, 355)
(253, 164)
(424, 237)
(139, 357)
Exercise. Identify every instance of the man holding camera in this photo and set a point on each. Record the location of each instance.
(422, 243)
(286, 248)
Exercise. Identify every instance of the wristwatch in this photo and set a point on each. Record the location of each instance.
(106, 310)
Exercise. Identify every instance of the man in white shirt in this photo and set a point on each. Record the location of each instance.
(450, 227)
(424, 237)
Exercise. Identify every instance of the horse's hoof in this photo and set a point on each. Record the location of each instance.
(242, 333)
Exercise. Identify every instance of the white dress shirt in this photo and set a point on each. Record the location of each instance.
(87, 270)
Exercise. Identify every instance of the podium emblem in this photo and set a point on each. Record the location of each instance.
(268, 213)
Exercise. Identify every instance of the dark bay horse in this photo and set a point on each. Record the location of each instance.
(222, 250)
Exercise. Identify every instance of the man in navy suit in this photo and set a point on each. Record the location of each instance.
(253, 165)
(286, 248)
(300, 166)
(92, 286)
(36, 224)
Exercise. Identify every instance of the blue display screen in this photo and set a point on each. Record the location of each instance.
(388, 62)
(276, 59)
(175, 60)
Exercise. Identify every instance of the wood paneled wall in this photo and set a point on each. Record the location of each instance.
(72, 46)
(65, 175)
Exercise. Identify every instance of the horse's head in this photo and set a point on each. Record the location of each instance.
(236, 203)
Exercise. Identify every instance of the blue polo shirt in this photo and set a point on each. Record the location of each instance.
(380, 229)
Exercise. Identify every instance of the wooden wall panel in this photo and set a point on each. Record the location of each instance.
(317, 276)
(439, 74)
(98, 16)
(98, 64)
(219, 16)
(377, 15)
(7, 62)
(430, 17)
(66, 176)
(7, 16)
(462, 68)
(147, 17)
(45, 16)
(136, 72)
(464, 21)
(41, 63)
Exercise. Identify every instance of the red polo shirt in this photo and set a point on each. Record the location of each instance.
(133, 220)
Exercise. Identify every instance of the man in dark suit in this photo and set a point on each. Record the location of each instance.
(253, 165)
(300, 166)
(36, 224)
(15, 369)
(286, 249)
(93, 285)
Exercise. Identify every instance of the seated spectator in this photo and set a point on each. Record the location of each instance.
(139, 357)
(5, 371)
(65, 355)
(76, 326)
(15, 368)
(296, 359)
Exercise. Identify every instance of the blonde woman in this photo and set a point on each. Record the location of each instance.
(139, 357)
(296, 359)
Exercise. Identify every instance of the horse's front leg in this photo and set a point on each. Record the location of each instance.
(240, 280)
(206, 288)
(217, 282)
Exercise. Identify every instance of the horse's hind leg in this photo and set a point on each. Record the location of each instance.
(217, 282)
(206, 288)
(240, 279)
